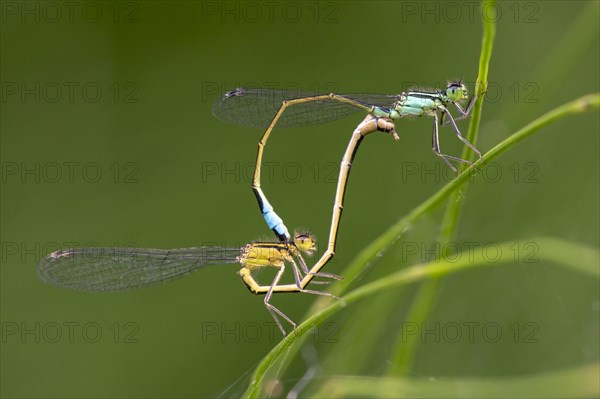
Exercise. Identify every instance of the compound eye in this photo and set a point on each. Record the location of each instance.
(456, 91)
(301, 238)
(305, 242)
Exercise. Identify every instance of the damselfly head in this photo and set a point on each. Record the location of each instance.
(456, 91)
(305, 242)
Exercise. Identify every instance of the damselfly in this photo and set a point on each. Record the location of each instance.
(270, 108)
(119, 269)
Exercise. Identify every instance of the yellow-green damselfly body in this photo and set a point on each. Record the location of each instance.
(121, 269)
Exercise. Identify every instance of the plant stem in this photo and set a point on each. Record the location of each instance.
(405, 348)
(577, 257)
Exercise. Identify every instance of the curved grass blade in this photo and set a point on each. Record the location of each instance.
(548, 249)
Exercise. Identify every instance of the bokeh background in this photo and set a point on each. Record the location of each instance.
(107, 139)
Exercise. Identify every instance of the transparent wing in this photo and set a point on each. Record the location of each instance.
(257, 107)
(116, 269)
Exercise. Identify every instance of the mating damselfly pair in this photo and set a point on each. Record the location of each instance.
(112, 269)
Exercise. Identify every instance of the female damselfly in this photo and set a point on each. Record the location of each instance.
(120, 269)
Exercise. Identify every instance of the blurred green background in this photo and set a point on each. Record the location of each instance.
(107, 139)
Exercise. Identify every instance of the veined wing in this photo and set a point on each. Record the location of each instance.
(116, 269)
(257, 107)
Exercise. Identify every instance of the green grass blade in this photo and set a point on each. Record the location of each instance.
(425, 301)
(452, 214)
(548, 249)
(575, 382)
